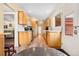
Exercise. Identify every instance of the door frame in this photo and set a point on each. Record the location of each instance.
(15, 27)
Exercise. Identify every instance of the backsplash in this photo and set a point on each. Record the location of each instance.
(21, 28)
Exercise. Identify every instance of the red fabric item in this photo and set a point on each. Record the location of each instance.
(69, 26)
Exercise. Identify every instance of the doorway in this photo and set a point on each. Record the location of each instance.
(9, 33)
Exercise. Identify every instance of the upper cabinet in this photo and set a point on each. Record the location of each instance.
(58, 20)
(34, 23)
(22, 18)
(46, 23)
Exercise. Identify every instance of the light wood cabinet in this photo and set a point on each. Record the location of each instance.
(25, 38)
(33, 23)
(47, 23)
(58, 20)
(22, 18)
(1, 44)
(54, 39)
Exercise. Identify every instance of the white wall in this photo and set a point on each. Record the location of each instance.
(70, 43)
(1, 18)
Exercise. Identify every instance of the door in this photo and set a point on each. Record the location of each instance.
(9, 27)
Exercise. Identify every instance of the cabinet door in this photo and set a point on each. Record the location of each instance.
(50, 39)
(57, 39)
(34, 24)
(21, 38)
(54, 39)
(1, 44)
(29, 37)
(22, 18)
(24, 38)
(47, 23)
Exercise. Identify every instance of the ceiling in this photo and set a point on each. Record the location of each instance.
(38, 10)
(6, 8)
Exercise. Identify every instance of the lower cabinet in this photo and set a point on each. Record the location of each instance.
(25, 38)
(1, 44)
(54, 39)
